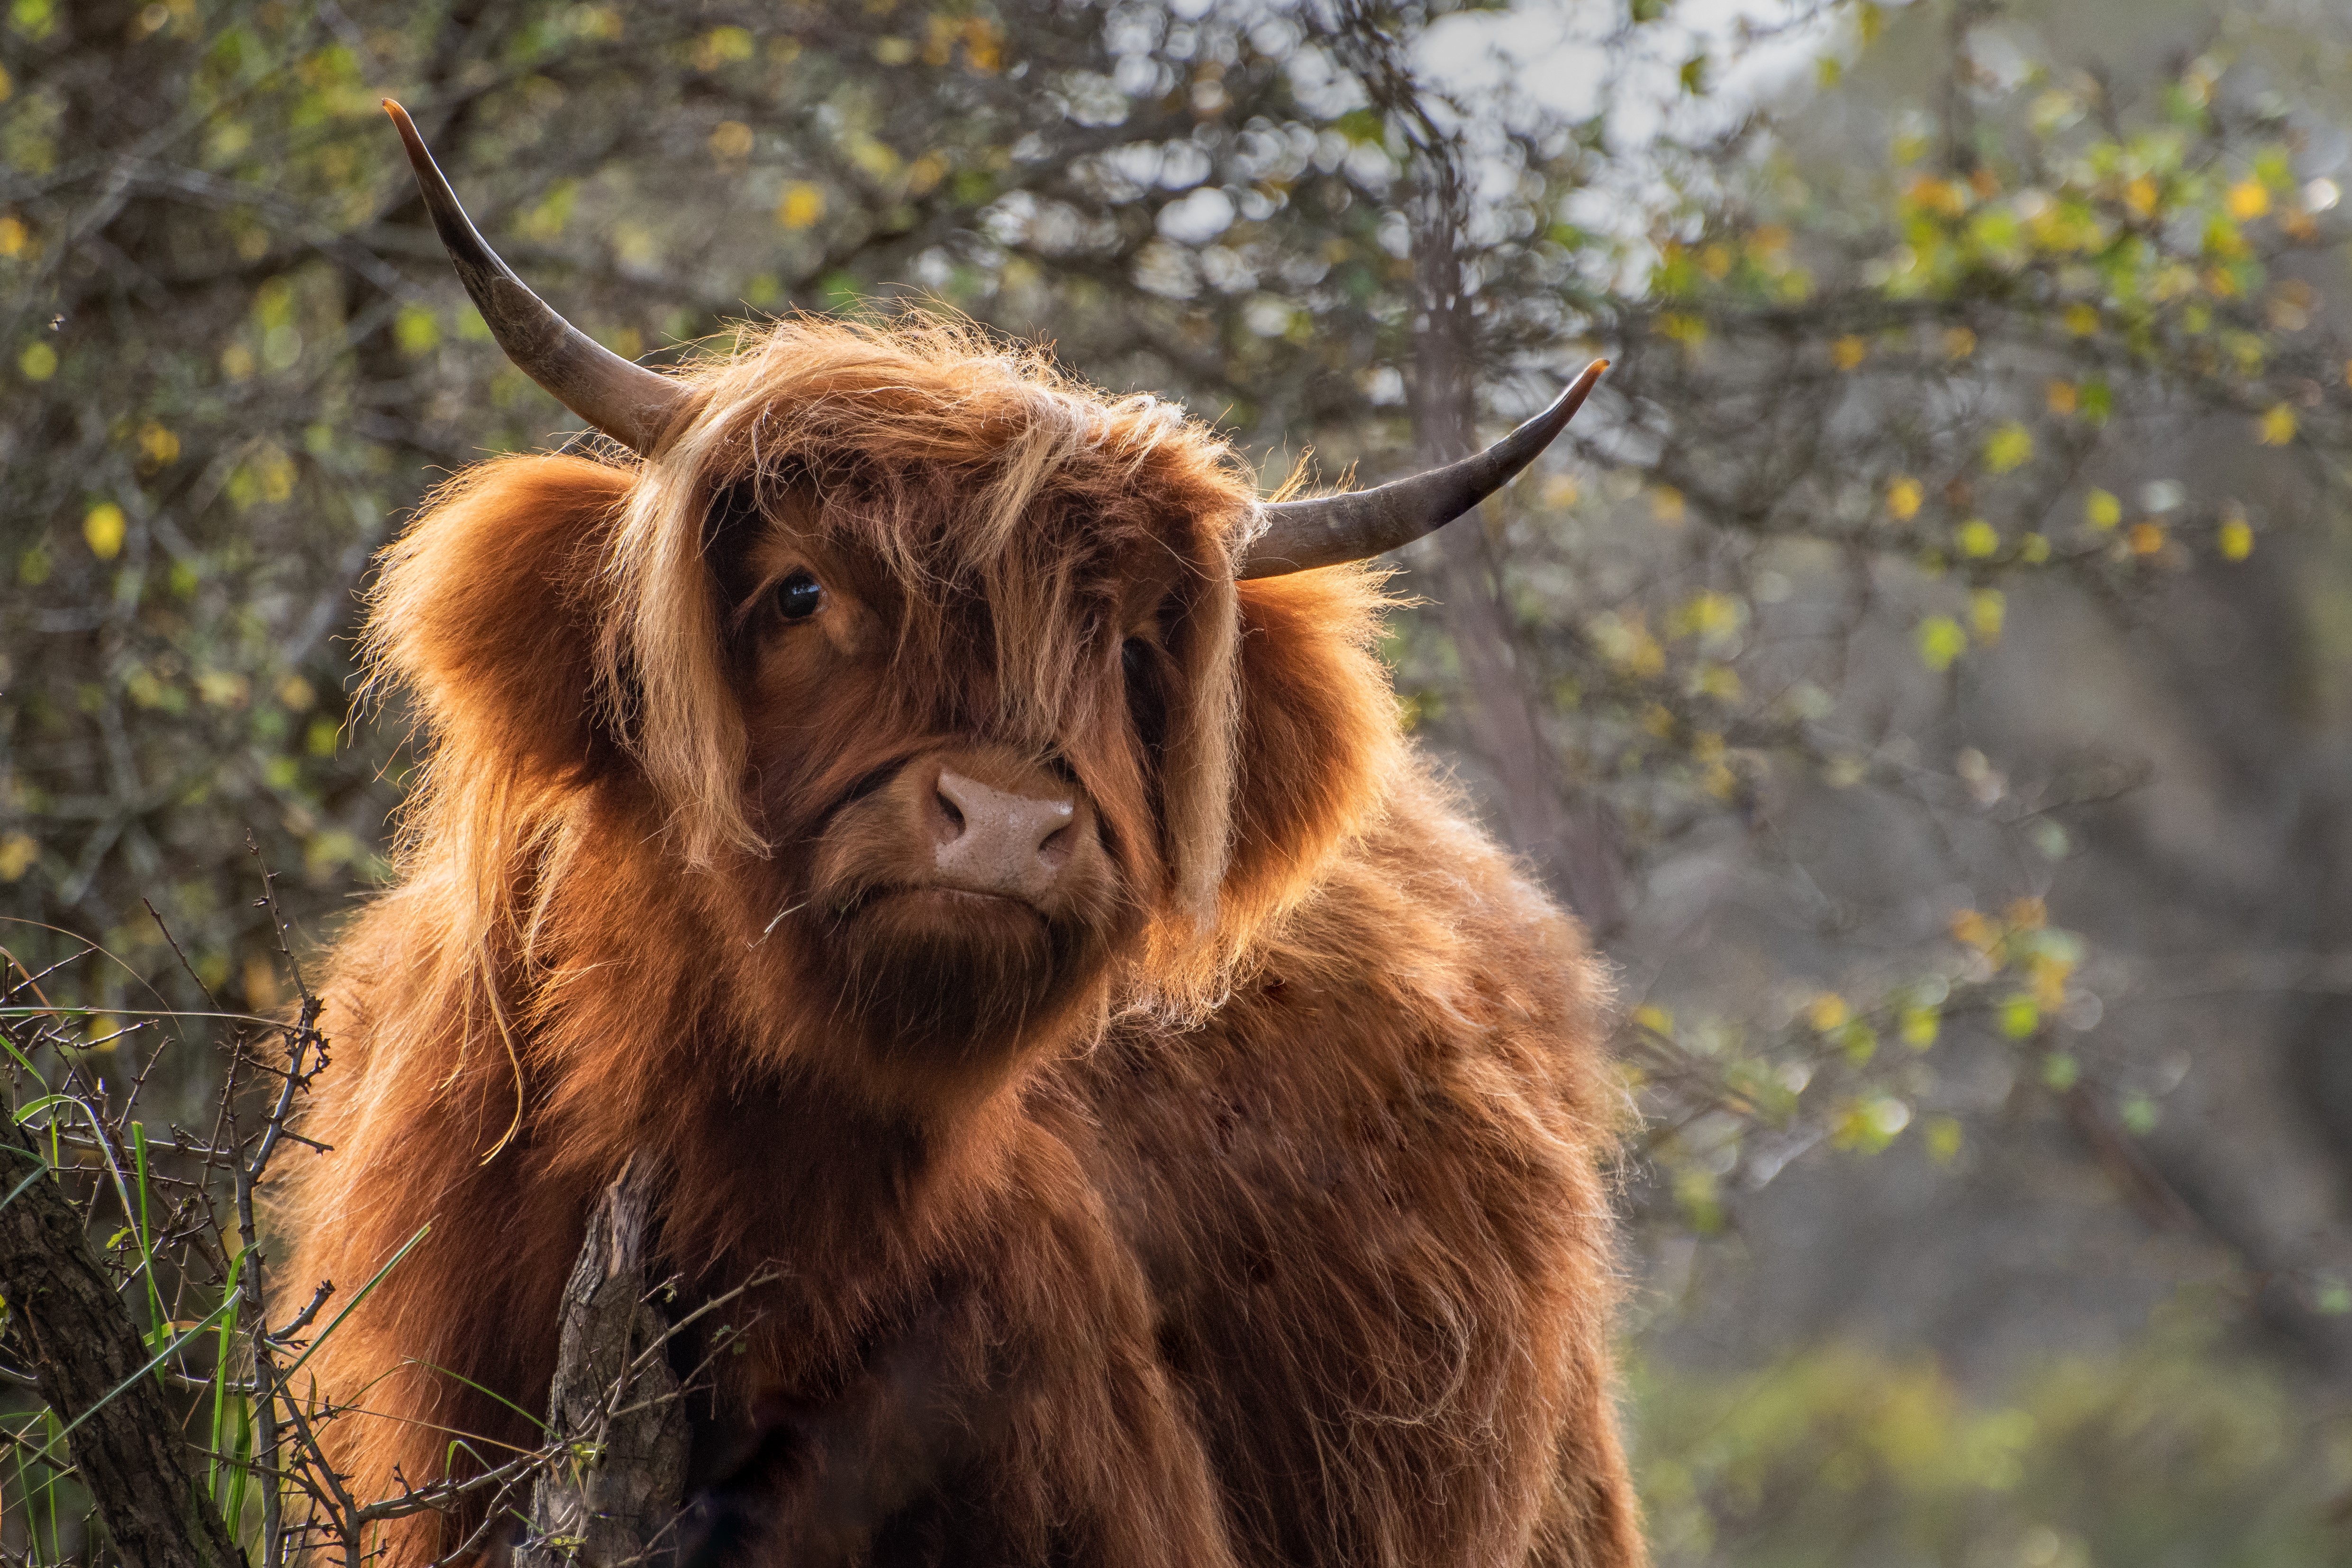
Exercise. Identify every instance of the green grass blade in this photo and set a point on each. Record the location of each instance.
(159, 1320)
(286, 1378)
(224, 1340)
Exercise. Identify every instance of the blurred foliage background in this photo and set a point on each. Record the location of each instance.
(1927, 665)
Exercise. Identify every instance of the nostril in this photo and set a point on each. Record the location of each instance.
(950, 810)
(1054, 846)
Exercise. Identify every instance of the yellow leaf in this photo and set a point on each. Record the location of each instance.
(803, 205)
(938, 40)
(2140, 196)
(2082, 320)
(730, 139)
(1690, 331)
(877, 158)
(1974, 929)
(17, 854)
(13, 237)
(1941, 640)
(2102, 510)
(1959, 343)
(983, 44)
(1667, 504)
(2237, 536)
(222, 688)
(417, 330)
(1938, 195)
(723, 46)
(1943, 1134)
(1626, 640)
(38, 363)
(2033, 550)
(102, 528)
(1988, 608)
(1902, 498)
(1977, 539)
(1869, 1125)
(1920, 1025)
(2049, 976)
(2010, 446)
(1656, 1019)
(1848, 351)
(1827, 1011)
(2278, 427)
(2062, 398)
(2248, 200)
(2146, 538)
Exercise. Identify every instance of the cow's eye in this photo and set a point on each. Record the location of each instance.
(799, 596)
(1145, 699)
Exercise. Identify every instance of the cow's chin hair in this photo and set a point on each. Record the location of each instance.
(950, 981)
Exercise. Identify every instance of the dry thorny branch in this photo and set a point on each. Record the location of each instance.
(175, 1225)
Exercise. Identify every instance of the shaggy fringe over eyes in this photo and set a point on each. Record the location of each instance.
(976, 472)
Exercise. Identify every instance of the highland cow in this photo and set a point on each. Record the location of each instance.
(946, 821)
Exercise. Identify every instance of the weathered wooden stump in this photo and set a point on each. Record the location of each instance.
(615, 1499)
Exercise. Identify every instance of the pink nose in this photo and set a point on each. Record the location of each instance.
(992, 841)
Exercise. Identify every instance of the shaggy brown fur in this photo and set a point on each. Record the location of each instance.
(1235, 1204)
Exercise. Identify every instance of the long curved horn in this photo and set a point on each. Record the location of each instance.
(1302, 535)
(630, 403)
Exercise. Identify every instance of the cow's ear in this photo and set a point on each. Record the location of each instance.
(485, 613)
(1317, 734)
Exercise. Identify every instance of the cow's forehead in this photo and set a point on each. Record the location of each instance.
(1106, 528)
(950, 458)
